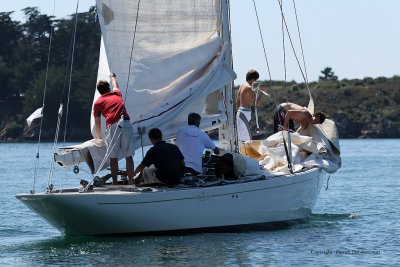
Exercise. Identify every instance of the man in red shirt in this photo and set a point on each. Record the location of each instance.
(119, 131)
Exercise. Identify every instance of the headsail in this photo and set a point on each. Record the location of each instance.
(177, 60)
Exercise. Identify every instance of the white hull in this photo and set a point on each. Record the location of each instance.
(274, 199)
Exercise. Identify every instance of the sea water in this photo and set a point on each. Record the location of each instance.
(355, 222)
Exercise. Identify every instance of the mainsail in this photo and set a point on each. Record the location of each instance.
(170, 59)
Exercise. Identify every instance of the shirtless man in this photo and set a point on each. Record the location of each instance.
(245, 98)
(300, 115)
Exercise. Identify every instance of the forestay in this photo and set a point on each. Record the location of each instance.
(168, 57)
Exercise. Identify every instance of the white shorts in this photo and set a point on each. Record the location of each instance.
(119, 139)
(149, 175)
(243, 116)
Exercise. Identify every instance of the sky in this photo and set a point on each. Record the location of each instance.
(356, 38)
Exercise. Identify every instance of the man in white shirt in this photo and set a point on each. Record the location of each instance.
(192, 142)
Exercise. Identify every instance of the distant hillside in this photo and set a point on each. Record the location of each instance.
(367, 108)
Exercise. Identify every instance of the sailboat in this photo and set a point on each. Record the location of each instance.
(173, 58)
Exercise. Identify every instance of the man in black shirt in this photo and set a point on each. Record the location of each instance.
(167, 159)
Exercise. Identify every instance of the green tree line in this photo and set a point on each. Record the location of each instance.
(24, 56)
(361, 108)
(368, 107)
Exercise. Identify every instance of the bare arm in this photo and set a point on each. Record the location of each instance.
(97, 125)
(303, 117)
(114, 82)
(238, 99)
(259, 98)
(263, 88)
(138, 169)
(291, 115)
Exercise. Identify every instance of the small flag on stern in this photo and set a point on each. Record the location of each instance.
(34, 115)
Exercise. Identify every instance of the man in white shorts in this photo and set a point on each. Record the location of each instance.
(119, 131)
(245, 98)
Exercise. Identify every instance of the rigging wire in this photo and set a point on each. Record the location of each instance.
(267, 63)
(262, 40)
(108, 151)
(288, 146)
(264, 50)
(300, 40)
(44, 98)
(140, 130)
(311, 102)
(303, 73)
(288, 153)
(133, 44)
(60, 111)
(71, 67)
(233, 143)
(284, 59)
(66, 76)
(292, 45)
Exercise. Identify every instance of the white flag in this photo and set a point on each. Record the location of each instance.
(34, 115)
(60, 110)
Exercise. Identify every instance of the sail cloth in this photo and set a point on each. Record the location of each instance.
(177, 60)
(321, 149)
(92, 152)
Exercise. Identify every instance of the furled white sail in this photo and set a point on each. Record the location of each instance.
(169, 57)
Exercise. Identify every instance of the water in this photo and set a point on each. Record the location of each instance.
(355, 222)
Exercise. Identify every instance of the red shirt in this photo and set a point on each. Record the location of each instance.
(111, 106)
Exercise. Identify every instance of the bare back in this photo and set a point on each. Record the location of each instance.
(292, 106)
(245, 96)
(299, 114)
